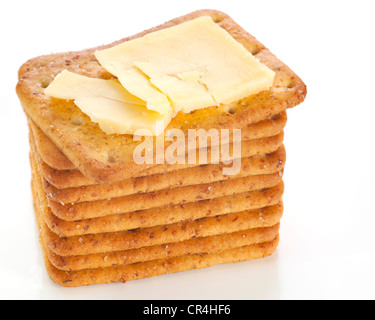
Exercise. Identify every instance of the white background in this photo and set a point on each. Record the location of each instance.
(327, 248)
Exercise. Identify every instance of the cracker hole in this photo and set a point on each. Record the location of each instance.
(42, 64)
(111, 157)
(291, 84)
(273, 118)
(77, 122)
(217, 19)
(44, 83)
(232, 110)
(255, 51)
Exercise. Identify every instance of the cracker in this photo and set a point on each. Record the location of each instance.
(157, 267)
(127, 272)
(108, 158)
(75, 179)
(257, 204)
(139, 238)
(55, 159)
(209, 244)
(145, 237)
(258, 165)
(48, 151)
(162, 198)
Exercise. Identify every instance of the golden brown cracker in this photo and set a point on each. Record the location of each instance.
(157, 267)
(48, 151)
(63, 179)
(55, 159)
(108, 158)
(166, 215)
(169, 197)
(139, 238)
(258, 165)
(209, 244)
(152, 268)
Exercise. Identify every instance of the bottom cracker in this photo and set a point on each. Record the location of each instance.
(157, 267)
(127, 240)
(209, 244)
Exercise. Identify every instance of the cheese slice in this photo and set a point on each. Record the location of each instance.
(68, 85)
(135, 82)
(107, 103)
(183, 88)
(195, 64)
(116, 117)
(141, 87)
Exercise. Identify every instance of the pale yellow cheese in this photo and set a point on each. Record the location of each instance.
(196, 64)
(68, 85)
(190, 66)
(107, 103)
(141, 87)
(116, 117)
(190, 76)
(183, 89)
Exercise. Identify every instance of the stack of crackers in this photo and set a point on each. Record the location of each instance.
(102, 218)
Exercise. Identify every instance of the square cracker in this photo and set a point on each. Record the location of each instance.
(252, 166)
(108, 158)
(230, 232)
(210, 244)
(127, 272)
(54, 158)
(235, 247)
(63, 179)
(164, 198)
(250, 210)
(157, 267)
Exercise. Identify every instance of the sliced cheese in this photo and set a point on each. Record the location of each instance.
(68, 85)
(116, 117)
(190, 66)
(195, 65)
(136, 82)
(107, 103)
(141, 87)
(183, 89)
(190, 76)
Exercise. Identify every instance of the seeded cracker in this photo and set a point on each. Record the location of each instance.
(102, 218)
(108, 158)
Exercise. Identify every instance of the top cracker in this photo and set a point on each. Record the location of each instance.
(109, 158)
